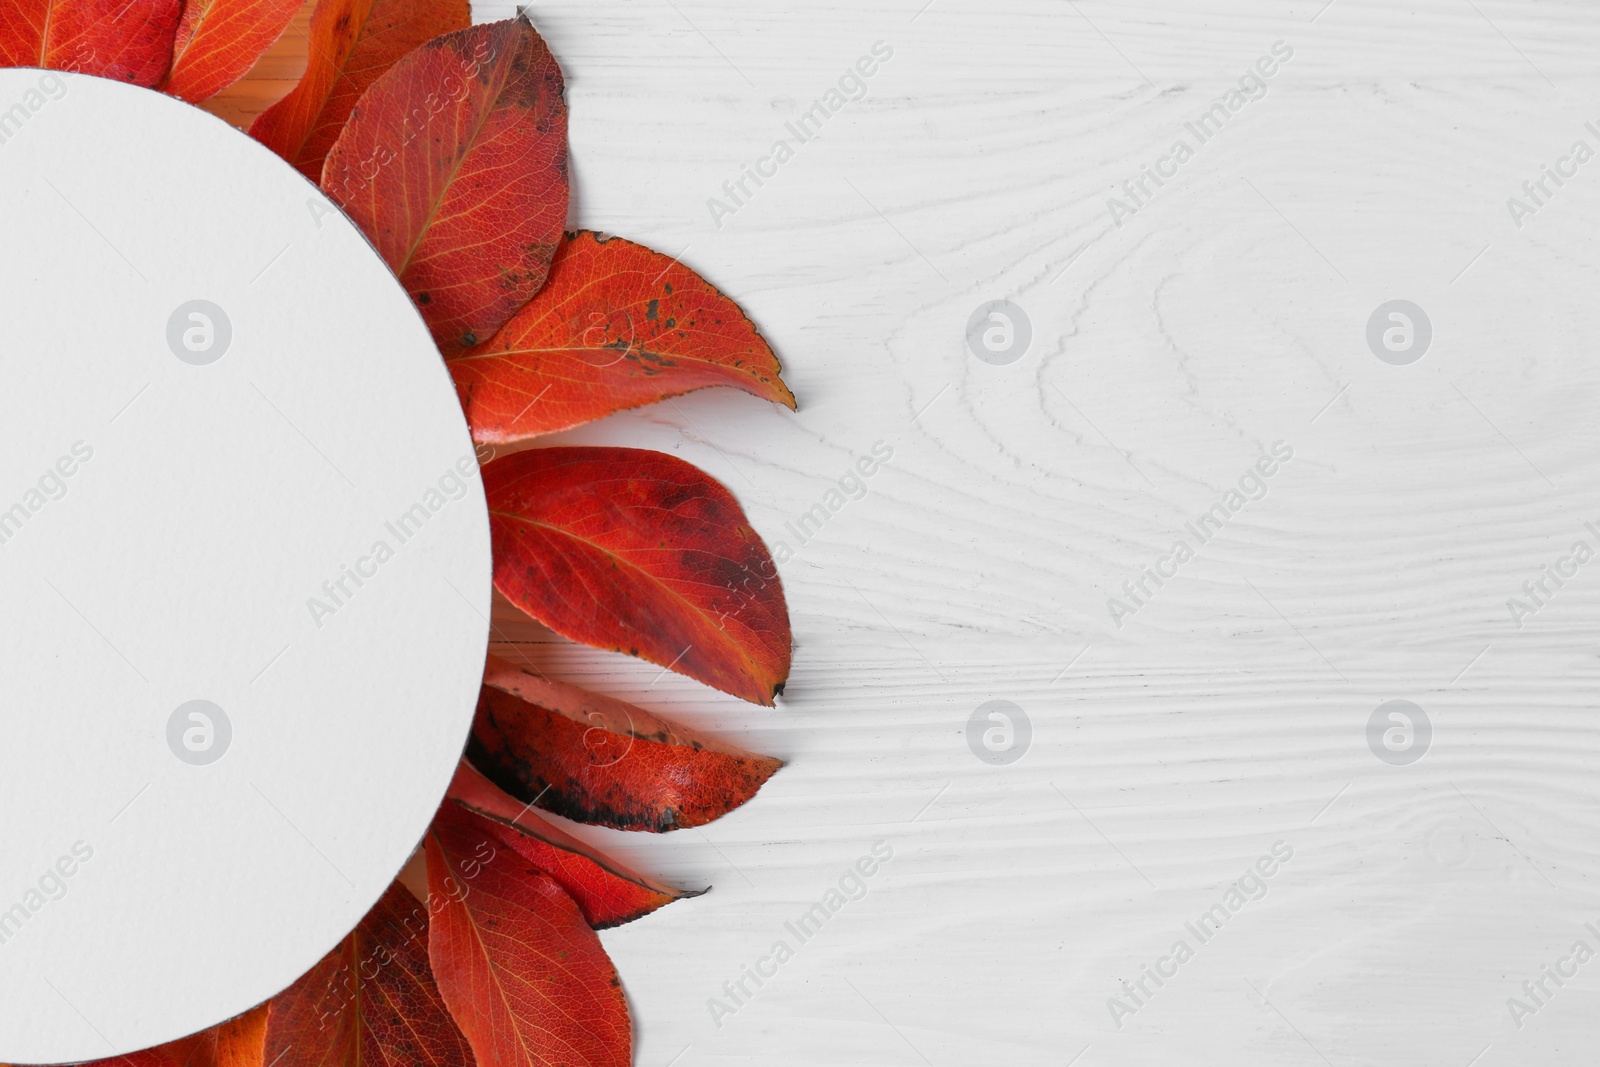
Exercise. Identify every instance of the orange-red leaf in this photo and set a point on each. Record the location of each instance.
(242, 1040)
(126, 40)
(642, 553)
(218, 41)
(352, 42)
(454, 164)
(616, 326)
(597, 759)
(522, 972)
(196, 1050)
(239, 1042)
(607, 893)
(372, 1001)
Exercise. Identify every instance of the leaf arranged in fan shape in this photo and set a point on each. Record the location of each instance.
(239, 1042)
(196, 1050)
(617, 326)
(596, 759)
(523, 974)
(607, 893)
(242, 1040)
(352, 42)
(218, 41)
(640, 552)
(199, 1050)
(454, 164)
(372, 1001)
(125, 40)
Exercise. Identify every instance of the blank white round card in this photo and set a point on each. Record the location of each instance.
(244, 571)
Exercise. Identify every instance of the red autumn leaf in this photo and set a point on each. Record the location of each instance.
(640, 552)
(522, 972)
(218, 41)
(126, 40)
(372, 1001)
(596, 759)
(607, 893)
(352, 42)
(196, 1050)
(454, 164)
(242, 1040)
(617, 326)
(239, 1042)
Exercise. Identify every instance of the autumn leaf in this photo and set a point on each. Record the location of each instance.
(454, 164)
(372, 1001)
(522, 972)
(218, 41)
(607, 893)
(617, 326)
(596, 759)
(126, 40)
(242, 1040)
(352, 42)
(239, 1042)
(640, 552)
(196, 1050)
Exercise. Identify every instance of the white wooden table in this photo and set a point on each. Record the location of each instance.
(1230, 711)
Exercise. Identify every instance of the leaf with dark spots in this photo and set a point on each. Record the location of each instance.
(372, 1001)
(597, 759)
(624, 548)
(522, 972)
(124, 40)
(454, 164)
(608, 893)
(601, 337)
(352, 42)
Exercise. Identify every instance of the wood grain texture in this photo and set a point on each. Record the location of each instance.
(274, 74)
(1229, 712)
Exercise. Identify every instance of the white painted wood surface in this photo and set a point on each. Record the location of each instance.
(1229, 713)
